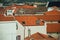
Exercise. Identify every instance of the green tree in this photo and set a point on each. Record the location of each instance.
(1, 1)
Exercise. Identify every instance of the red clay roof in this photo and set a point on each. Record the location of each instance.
(3, 18)
(38, 36)
(1, 15)
(53, 27)
(1, 10)
(53, 12)
(31, 20)
(18, 7)
(51, 17)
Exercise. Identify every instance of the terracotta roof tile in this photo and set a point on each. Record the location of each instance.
(1, 10)
(3, 18)
(53, 12)
(49, 17)
(38, 36)
(1, 15)
(54, 27)
(52, 17)
(31, 20)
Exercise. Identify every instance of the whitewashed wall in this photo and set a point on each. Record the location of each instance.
(7, 30)
(20, 30)
(34, 29)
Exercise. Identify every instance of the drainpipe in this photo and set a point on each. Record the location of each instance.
(29, 32)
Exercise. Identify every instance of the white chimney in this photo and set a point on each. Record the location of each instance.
(35, 5)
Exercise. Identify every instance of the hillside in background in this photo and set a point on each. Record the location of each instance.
(26, 0)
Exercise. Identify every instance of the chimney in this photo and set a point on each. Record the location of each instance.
(35, 5)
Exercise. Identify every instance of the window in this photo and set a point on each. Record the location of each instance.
(16, 26)
(18, 37)
(9, 12)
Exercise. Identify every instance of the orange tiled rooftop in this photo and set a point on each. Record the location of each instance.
(38, 36)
